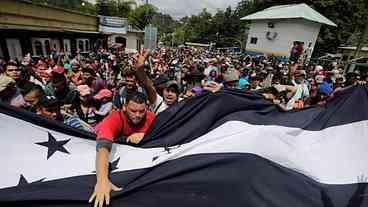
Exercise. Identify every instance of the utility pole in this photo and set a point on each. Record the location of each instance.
(172, 39)
(363, 37)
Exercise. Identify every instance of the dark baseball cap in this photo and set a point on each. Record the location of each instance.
(174, 85)
(161, 79)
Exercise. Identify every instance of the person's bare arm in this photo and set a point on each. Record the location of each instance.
(102, 165)
(144, 79)
(292, 70)
(103, 186)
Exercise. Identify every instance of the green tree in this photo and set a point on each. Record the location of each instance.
(88, 8)
(164, 22)
(124, 7)
(77, 5)
(166, 26)
(142, 16)
(118, 8)
(224, 28)
(179, 36)
(229, 28)
(198, 28)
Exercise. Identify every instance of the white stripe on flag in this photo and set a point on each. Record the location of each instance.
(332, 156)
(335, 155)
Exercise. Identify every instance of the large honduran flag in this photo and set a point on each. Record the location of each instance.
(226, 149)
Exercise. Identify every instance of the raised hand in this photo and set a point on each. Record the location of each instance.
(141, 58)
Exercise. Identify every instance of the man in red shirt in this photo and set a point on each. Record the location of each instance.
(133, 121)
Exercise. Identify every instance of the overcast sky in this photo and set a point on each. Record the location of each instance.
(181, 8)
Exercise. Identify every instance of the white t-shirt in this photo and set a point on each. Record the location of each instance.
(159, 106)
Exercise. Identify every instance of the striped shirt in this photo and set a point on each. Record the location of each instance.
(74, 122)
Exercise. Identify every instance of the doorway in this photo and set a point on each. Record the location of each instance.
(121, 40)
(14, 49)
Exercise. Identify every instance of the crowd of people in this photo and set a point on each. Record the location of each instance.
(117, 95)
(82, 91)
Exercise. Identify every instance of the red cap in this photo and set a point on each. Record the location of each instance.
(58, 69)
(104, 93)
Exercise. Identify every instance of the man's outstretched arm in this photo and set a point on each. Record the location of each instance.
(103, 186)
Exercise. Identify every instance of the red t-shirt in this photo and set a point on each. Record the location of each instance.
(300, 49)
(116, 124)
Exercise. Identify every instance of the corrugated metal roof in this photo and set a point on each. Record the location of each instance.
(291, 11)
(197, 44)
(353, 48)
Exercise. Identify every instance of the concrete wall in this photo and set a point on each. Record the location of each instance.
(287, 31)
(26, 16)
(132, 41)
(22, 24)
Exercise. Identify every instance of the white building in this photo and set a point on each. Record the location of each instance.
(119, 32)
(274, 30)
(132, 39)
